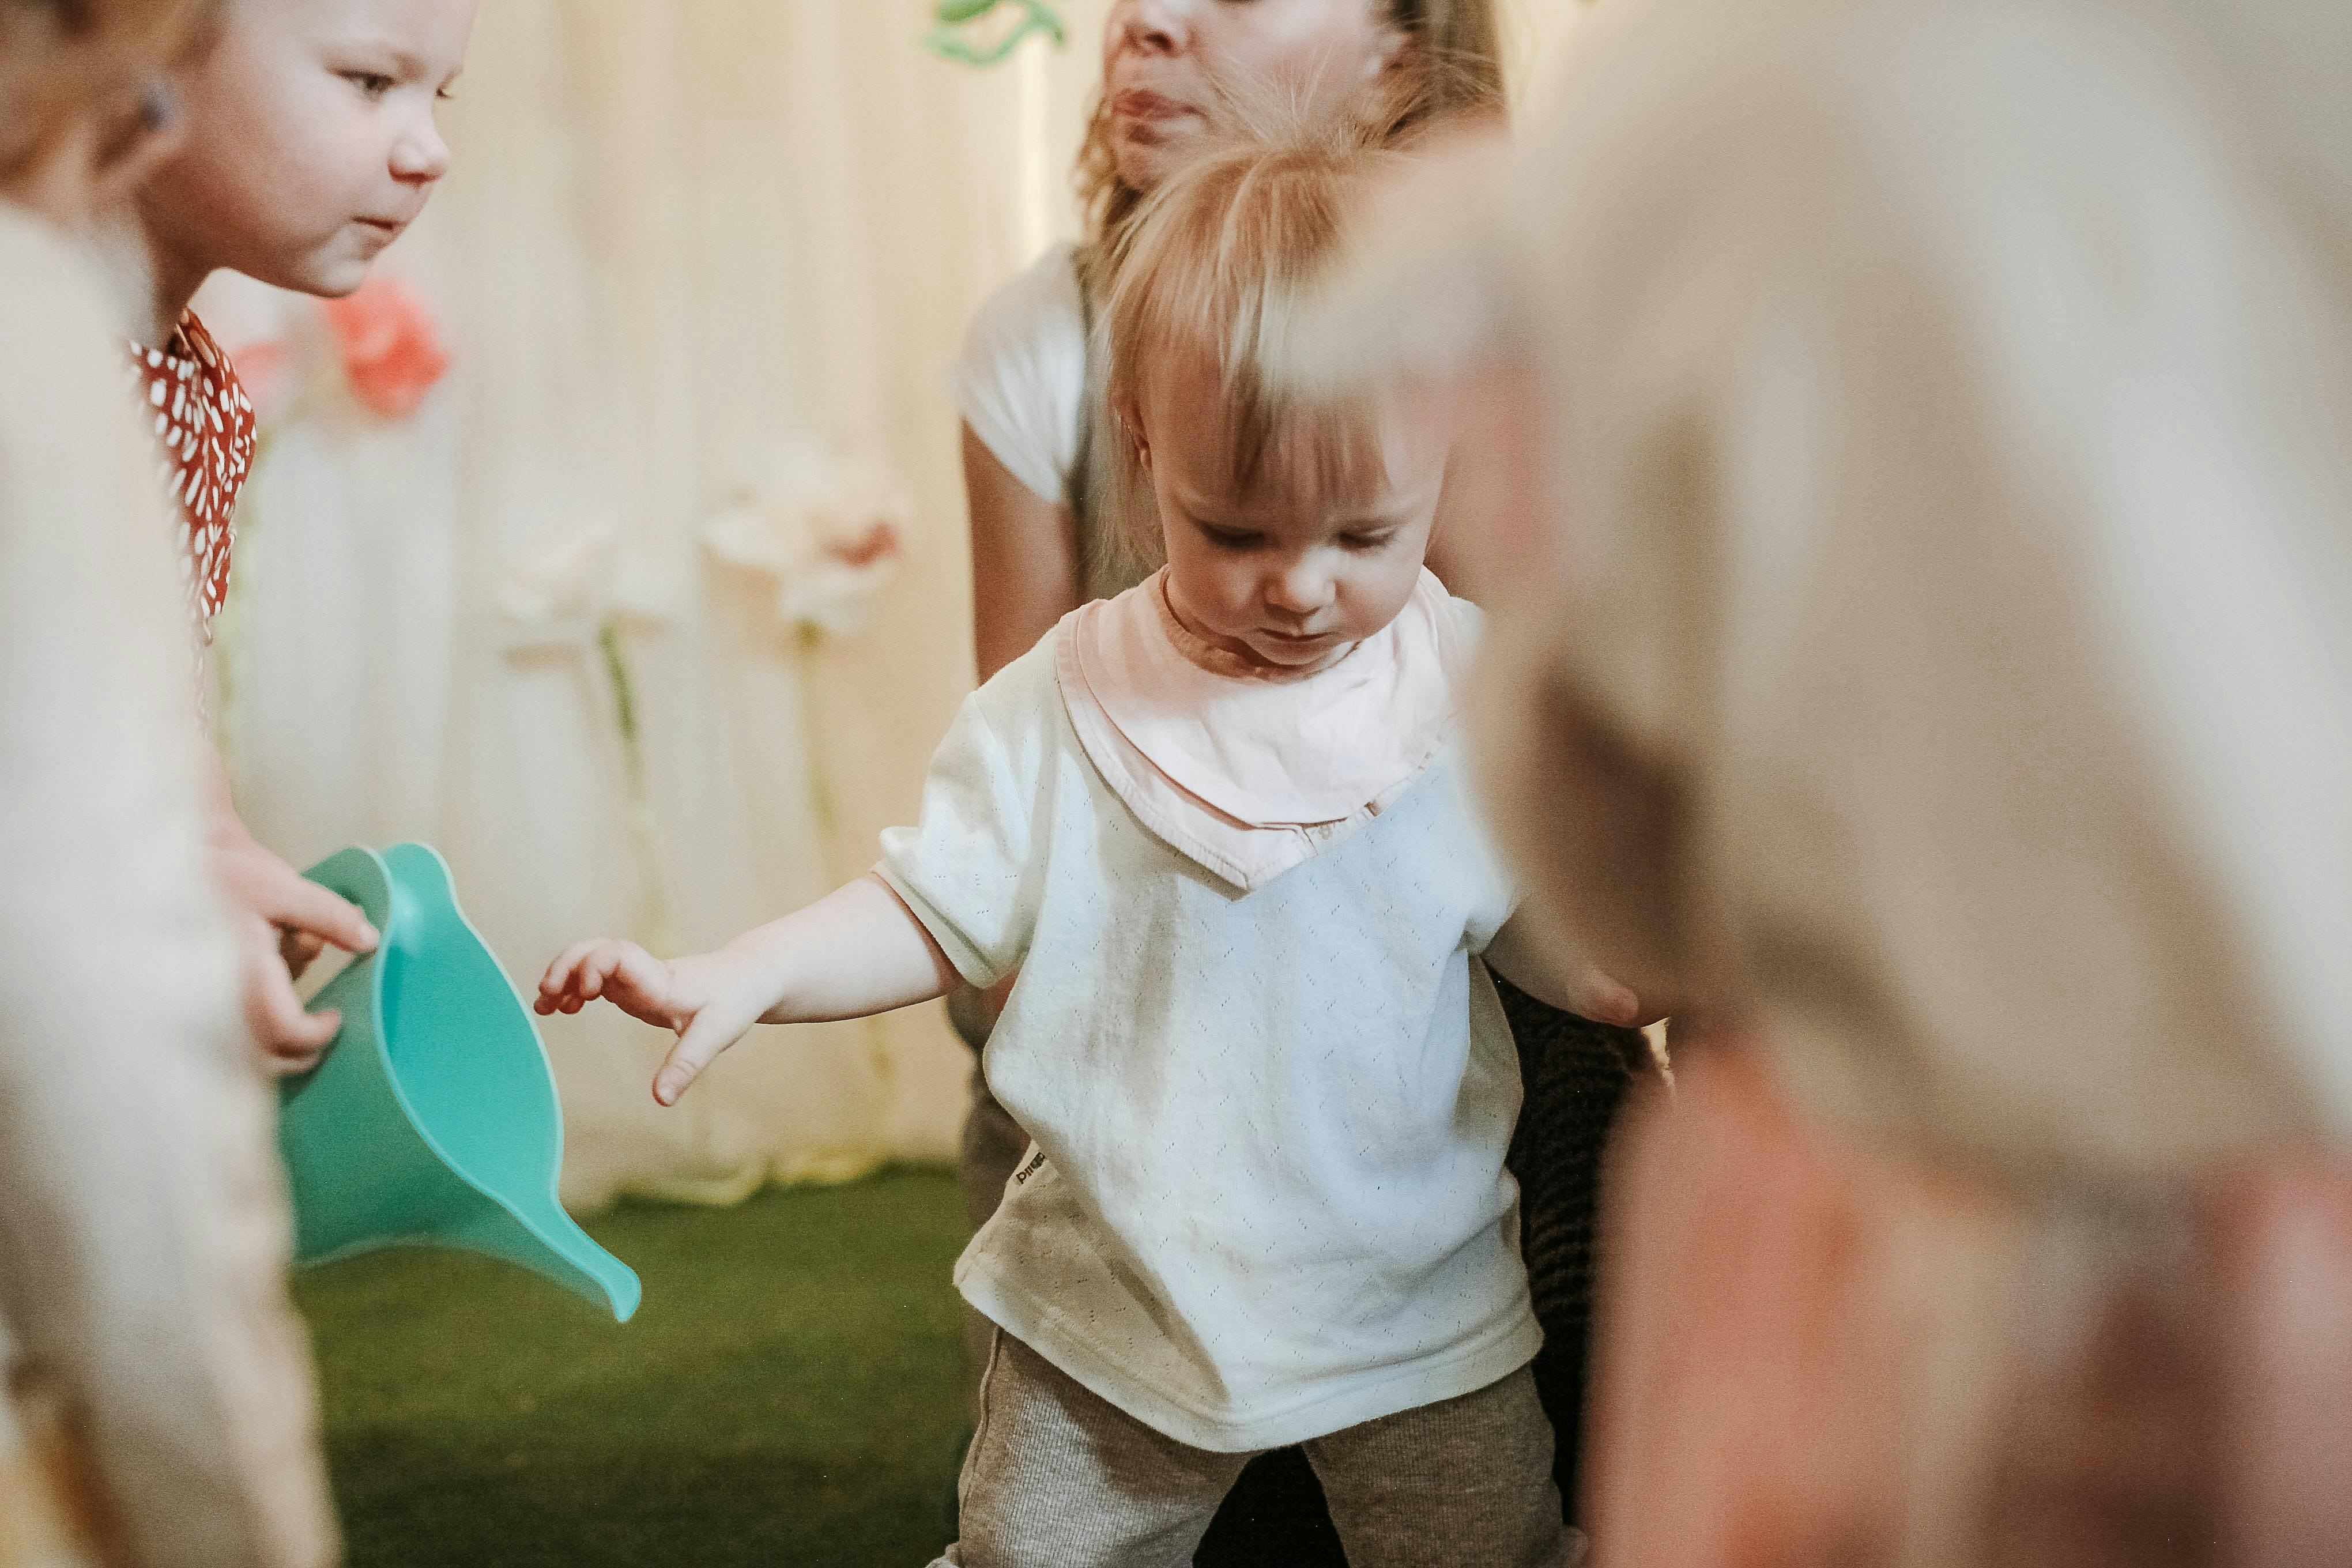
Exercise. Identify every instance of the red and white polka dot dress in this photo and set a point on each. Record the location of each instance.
(203, 422)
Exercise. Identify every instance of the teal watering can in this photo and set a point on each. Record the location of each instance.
(434, 1117)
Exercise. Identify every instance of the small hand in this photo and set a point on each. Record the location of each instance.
(708, 1001)
(1527, 953)
(1604, 1001)
(291, 1040)
(283, 921)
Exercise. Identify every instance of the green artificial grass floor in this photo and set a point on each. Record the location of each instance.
(790, 1394)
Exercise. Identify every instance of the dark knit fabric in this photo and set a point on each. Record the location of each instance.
(1577, 1073)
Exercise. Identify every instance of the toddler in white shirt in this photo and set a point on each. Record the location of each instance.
(1218, 827)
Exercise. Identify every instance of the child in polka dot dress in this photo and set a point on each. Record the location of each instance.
(309, 145)
(205, 426)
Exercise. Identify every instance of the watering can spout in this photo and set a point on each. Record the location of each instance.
(434, 1119)
(554, 1246)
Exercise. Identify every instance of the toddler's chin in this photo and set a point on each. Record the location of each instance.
(1285, 654)
(339, 280)
(330, 272)
(1145, 160)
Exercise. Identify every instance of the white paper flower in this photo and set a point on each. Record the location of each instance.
(576, 595)
(560, 592)
(827, 530)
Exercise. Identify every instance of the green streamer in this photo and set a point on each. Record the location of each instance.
(951, 36)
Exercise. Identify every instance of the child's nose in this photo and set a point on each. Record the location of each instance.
(420, 157)
(1300, 589)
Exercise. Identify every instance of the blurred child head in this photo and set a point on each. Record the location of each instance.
(1293, 528)
(82, 104)
(1166, 63)
(311, 141)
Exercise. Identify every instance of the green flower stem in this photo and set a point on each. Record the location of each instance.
(822, 804)
(625, 695)
(645, 824)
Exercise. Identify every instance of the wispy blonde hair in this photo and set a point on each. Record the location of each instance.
(1211, 269)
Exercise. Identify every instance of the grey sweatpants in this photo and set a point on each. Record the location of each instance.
(993, 1145)
(1059, 1477)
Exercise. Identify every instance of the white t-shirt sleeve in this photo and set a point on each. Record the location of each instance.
(1021, 381)
(1491, 911)
(964, 868)
(1499, 894)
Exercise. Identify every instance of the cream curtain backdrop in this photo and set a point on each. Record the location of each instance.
(678, 234)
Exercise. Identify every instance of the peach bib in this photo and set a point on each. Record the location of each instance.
(1248, 773)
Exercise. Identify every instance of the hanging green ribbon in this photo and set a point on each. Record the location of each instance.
(951, 38)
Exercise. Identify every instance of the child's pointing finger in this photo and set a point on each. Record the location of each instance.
(711, 1032)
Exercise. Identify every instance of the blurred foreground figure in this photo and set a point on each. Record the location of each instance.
(1917, 515)
(155, 1402)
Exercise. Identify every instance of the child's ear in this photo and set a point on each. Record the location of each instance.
(142, 134)
(88, 164)
(1397, 56)
(1130, 424)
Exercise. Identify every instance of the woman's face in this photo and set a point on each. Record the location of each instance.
(1163, 61)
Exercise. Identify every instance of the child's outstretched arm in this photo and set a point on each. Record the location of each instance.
(855, 952)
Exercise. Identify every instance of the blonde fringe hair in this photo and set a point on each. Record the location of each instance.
(63, 57)
(1211, 267)
(1455, 54)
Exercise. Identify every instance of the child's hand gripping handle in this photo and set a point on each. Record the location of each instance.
(284, 921)
(345, 900)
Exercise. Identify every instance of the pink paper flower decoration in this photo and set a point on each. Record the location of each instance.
(265, 368)
(875, 546)
(827, 528)
(390, 346)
